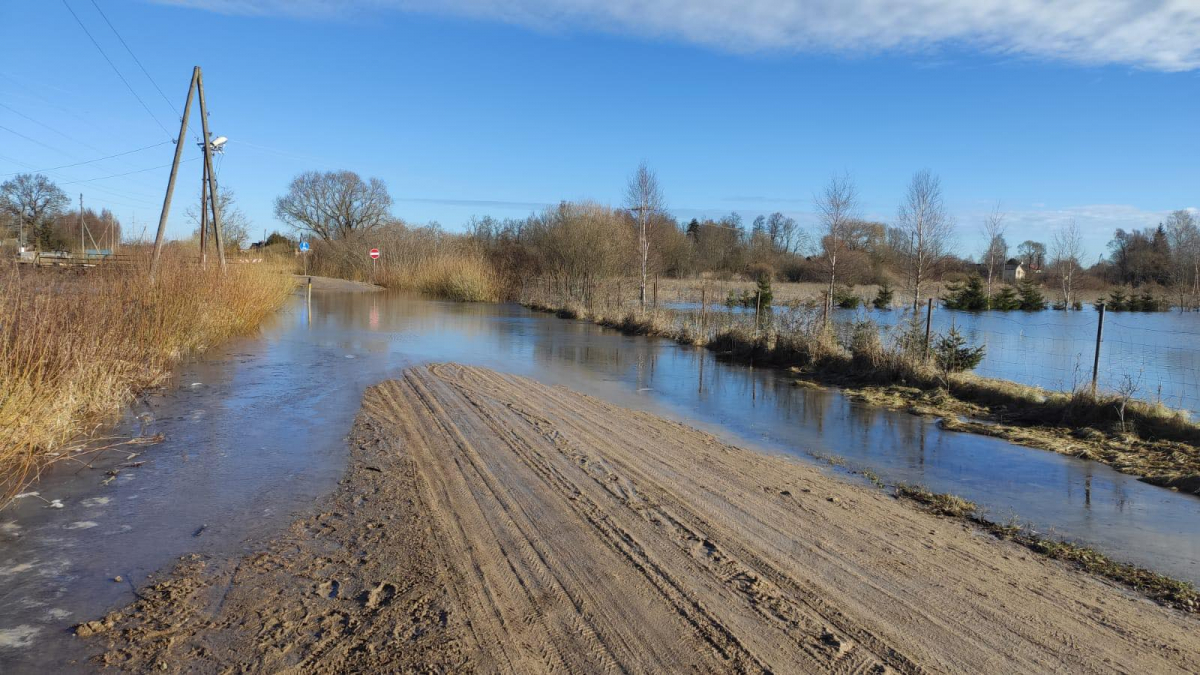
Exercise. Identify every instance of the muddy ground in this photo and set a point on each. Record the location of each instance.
(490, 523)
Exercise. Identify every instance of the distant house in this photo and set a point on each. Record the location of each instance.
(1014, 271)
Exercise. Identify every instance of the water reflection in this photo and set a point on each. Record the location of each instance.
(262, 435)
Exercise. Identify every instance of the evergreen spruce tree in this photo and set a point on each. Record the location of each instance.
(883, 299)
(1006, 300)
(969, 296)
(1116, 301)
(1032, 299)
(952, 353)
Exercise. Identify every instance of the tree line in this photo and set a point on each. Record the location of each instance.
(580, 242)
(34, 211)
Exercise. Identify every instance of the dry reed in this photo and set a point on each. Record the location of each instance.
(76, 347)
(422, 260)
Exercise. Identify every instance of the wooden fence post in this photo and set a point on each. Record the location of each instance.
(1096, 360)
(928, 325)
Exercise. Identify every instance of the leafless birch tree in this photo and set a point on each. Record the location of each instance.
(644, 198)
(922, 216)
(837, 208)
(996, 252)
(1183, 234)
(1066, 249)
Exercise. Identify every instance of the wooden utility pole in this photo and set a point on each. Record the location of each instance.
(162, 219)
(204, 218)
(82, 245)
(212, 181)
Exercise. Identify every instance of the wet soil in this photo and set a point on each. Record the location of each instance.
(491, 523)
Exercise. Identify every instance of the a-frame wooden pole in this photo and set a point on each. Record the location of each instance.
(166, 209)
(204, 218)
(212, 181)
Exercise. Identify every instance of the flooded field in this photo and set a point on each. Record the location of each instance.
(255, 432)
(1155, 353)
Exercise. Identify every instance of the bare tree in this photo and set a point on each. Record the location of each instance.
(1183, 234)
(923, 218)
(1066, 250)
(334, 204)
(235, 225)
(32, 199)
(837, 208)
(644, 198)
(1032, 253)
(997, 248)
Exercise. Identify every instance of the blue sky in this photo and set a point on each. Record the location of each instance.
(464, 109)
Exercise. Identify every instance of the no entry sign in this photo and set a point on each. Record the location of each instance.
(374, 253)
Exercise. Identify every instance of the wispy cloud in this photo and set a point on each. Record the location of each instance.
(1152, 34)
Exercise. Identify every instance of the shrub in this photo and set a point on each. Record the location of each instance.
(883, 299)
(952, 353)
(843, 298)
(1032, 299)
(967, 296)
(1006, 300)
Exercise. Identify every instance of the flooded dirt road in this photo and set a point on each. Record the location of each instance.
(490, 523)
(254, 435)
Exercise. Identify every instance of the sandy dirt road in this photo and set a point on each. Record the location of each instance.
(489, 523)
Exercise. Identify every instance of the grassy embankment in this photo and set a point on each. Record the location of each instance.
(888, 368)
(1162, 589)
(77, 347)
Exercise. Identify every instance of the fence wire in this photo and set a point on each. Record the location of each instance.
(1149, 356)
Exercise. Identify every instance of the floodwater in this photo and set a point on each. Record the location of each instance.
(1156, 355)
(255, 432)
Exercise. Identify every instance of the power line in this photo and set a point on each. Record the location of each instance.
(18, 113)
(34, 140)
(130, 196)
(115, 69)
(92, 161)
(127, 173)
(135, 58)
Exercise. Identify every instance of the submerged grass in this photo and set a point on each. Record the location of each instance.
(76, 347)
(889, 368)
(1160, 588)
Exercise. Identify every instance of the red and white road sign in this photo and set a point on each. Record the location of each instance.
(374, 253)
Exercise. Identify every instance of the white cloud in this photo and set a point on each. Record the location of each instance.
(1153, 34)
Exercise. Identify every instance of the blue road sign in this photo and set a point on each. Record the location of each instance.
(303, 246)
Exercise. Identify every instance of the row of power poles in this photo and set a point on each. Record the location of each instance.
(208, 193)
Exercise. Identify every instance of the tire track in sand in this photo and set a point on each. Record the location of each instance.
(488, 523)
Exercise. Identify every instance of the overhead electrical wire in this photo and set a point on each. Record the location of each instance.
(116, 70)
(136, 59)
(34, 140)
(42, 124)
(128, 173)
(92, 161)
(94, 187)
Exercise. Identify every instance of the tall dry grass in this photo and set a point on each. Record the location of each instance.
(423, 260)
(76, 347)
